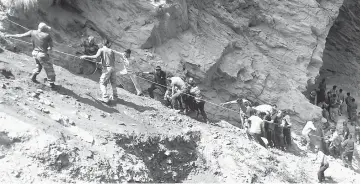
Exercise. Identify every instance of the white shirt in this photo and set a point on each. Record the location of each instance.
(308, 127)
(264, 108)
(178, 82)
(319, 157)
(256, 124)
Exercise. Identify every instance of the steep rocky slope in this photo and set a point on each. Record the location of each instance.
(268, 51)
(65, 136)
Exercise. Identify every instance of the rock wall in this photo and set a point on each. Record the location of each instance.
(264, 50)
(341, 56)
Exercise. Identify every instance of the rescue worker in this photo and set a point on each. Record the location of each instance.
(269, 130)
(348, 146)
(306, 132)
(321, 159)
(334, 90)
(345, 130)
(255, 130)
(129, 62)
(325, 113)
(322, 91)
(90, 48)
(42, 43)
(348, 101)
(333, 142)
(108, 70)
(313, 97)
(341, 100)
(286, 124)
(196, 92)
(181, 85)
(333, 108)
(244, 109)
(353, 111)
(277, 120)
(357, 134)
(168, 97)
(160, 80)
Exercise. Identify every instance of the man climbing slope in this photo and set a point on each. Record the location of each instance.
(42, 43)
(159, 79)
(108, 71)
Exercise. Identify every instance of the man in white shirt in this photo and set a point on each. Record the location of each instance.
(128, 66)
(177, 82)
(307, 130)
(255, 129)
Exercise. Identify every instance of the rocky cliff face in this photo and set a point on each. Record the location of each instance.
(341, 58)
(265, 50)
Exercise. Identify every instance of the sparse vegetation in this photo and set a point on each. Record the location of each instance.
(26, 5)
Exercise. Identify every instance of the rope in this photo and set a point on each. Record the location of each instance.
(136, 76)
(17, 24)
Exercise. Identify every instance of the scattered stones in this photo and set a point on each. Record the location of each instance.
(102, 141)
(103, 115)
(35, 95)
(45, 110)
(4, 86)
(46, 102)
(64, 120)
(84, 115)
(172, 118)
(39, 91)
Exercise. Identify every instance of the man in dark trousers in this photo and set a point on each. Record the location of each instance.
(348, 146)
(323, 161)
(348, 101)
(42, 43)
(345, 130)
(159, 78)
(322, 91)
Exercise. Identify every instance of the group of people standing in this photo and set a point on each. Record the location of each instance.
(265, 121)
(337, 143)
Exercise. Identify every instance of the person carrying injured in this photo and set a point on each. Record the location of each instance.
(255, 127)
(42, 43)
(309, 127)
(108, 70)
(245, 108)
(196, 92)
(177, 82)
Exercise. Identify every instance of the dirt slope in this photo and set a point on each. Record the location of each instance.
(65, 136)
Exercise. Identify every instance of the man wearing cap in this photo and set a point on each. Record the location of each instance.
(108, 71)
(160, 81)
(42, 42)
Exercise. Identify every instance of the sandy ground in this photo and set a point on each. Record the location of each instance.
(65, 136)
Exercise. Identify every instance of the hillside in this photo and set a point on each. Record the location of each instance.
(65, 136)
(268, 51)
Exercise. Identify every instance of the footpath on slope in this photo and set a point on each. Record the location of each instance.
(65, 136)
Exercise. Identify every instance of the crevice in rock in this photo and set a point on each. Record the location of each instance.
(341, 58)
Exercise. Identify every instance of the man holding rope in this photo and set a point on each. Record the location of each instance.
(42, 42)
(108, 71)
